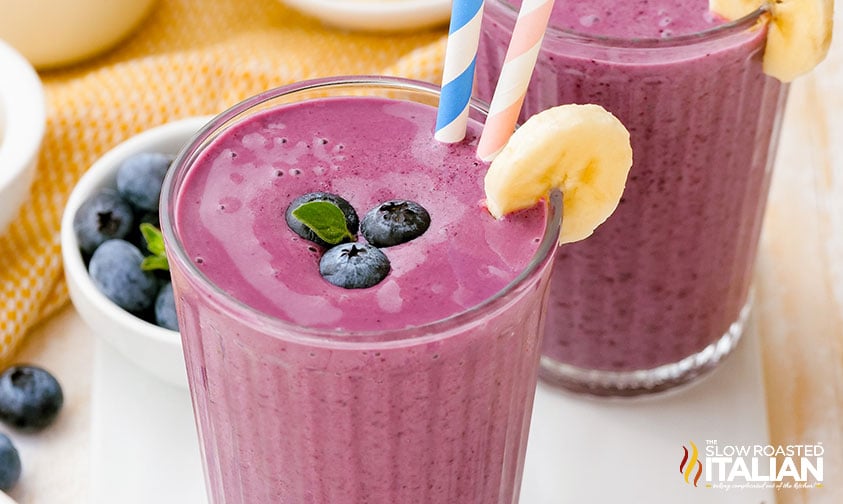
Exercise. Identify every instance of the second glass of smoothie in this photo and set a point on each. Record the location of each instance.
(660, 293)
(418, 389)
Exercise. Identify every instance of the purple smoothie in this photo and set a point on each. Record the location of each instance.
(309, 393)
(667, 277)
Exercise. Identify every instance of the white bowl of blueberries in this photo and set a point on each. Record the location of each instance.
(113, 253)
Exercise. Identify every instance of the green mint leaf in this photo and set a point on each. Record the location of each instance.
(325, 219)
(154, 238)
(155, 262)
(155, 244)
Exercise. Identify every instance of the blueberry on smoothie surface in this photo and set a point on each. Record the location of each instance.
(352, 221)
(394, 222)
(354, 265)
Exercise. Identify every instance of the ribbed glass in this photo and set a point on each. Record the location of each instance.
(655, 297)
(435, 414)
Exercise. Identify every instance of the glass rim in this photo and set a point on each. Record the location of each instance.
(337, 338)
(725, 29)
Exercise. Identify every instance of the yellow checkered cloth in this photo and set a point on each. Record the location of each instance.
(190, 57)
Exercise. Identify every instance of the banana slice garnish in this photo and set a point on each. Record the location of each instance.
(798, 36)
(583, 150)
(734, 9)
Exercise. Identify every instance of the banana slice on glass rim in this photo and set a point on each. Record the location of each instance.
(583, 150)
(798, 36)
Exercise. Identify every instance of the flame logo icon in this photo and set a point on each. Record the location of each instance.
(690, 461)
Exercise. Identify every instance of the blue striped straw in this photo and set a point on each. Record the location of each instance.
(458, 74)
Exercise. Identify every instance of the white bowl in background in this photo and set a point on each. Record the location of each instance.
(51, 33)
(23, 119)
(377, 15)
(154, 349)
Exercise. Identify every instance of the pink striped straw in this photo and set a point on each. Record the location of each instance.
(515, 76)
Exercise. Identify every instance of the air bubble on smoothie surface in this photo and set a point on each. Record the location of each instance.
(589, 20)
(254, 141)
(230, 205)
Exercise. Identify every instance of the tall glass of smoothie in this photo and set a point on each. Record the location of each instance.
(415, 389)
(661, 292)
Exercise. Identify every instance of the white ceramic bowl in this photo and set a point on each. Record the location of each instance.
(50, 33)
(23, 119)
(377, 15)
(154, 349)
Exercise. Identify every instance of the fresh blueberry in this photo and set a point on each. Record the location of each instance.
(394, 222)
(165, 308)
(103, 216)
(140, 177)
(115, 269)
(354, 265)
(10, 467)
(135, 237)
(30, 397)
(351, 219)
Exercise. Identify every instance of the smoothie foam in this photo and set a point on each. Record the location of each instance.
(306, 410)
(669, 273)
(632, 19)
(230, 214)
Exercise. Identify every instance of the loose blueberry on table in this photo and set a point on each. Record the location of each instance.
(30, 397)
(330, 221)
(10, 466)
(30, 400)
